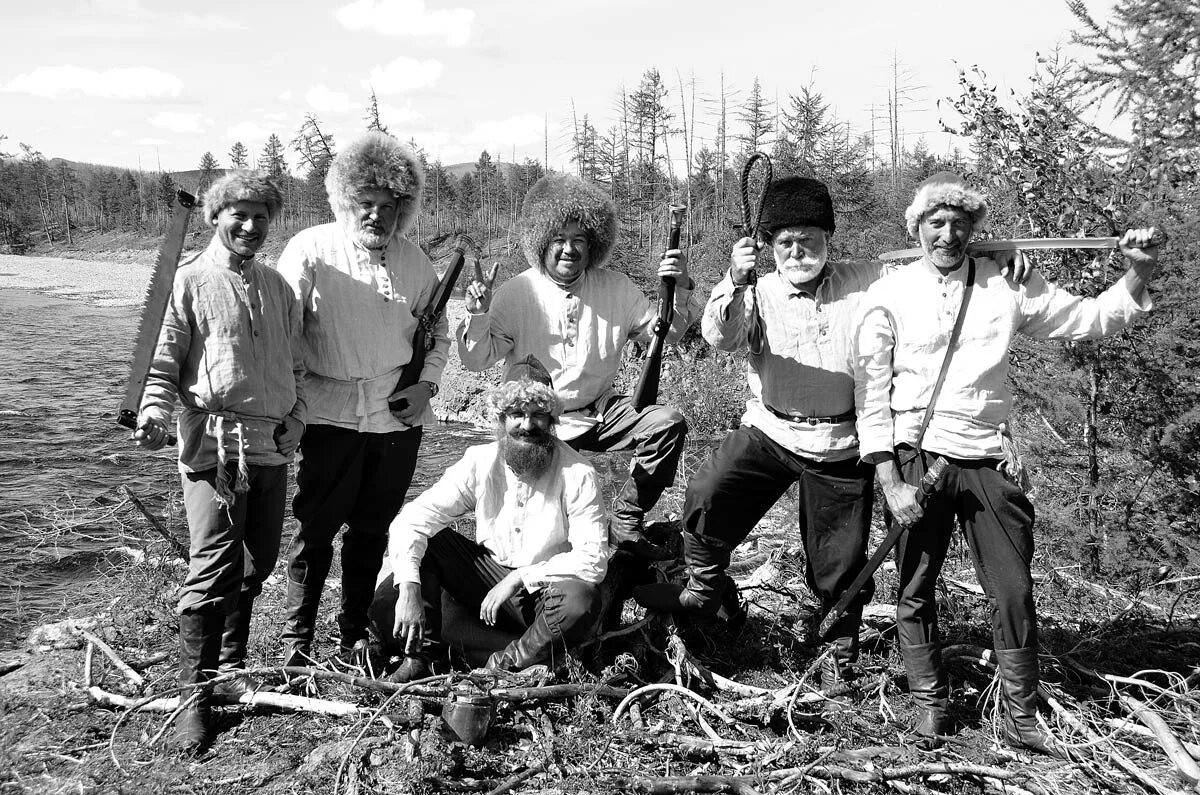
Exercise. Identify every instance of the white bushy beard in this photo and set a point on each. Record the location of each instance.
(803, 270)
(366, 238)
(528, 454)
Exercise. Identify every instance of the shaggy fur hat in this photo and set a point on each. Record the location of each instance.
(526, 383)
(556, 199)
(376, 160)
(946, 188)
(797, 201)
(241, 186)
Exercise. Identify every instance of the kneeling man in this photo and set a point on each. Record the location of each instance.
(540, 548)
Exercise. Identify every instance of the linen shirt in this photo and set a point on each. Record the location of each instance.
(360, 313)
(550, 529)
(226, 351)
(908, 317)
(577, 331)
(806, 367)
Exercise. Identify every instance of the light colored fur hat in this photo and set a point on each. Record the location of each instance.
(241, 186)
(376, 160)
(946, 188)
(556, 199)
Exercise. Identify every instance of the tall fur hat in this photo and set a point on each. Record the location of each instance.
(239, 186)
(556, 199)
(797, 201)
(376, 160)
(946, 188)
(526, 383)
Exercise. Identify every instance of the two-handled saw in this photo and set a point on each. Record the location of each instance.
(154, 309)
(1027, 244)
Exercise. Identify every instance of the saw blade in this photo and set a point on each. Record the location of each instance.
(1019, 244)
(154, 308)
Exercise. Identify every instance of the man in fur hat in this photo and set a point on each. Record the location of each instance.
(799, 421)
(226, 352)
(576, 316)
(362, 287)
(902, 343)
(540, 547)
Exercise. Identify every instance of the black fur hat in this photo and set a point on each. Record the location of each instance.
(797, 201)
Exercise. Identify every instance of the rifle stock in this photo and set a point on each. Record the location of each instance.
(646, 392)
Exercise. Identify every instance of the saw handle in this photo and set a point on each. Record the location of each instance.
(127, 419)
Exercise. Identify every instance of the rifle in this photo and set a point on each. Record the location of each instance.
(646, 392)
(422, 341)
(926, 489)
(154, 309)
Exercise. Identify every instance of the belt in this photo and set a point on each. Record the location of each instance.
(847, 417)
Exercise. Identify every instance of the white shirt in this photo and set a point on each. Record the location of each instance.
(577, 331)
(360, 312)
(908, 317)
(548, 530)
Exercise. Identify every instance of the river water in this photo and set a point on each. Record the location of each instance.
(63, 365)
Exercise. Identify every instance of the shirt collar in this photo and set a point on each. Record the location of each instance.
(959, 274)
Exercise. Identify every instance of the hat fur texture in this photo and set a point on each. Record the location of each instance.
(376, 161)
(949, 189)
(556, 199)
(241, 186)
(797, 201)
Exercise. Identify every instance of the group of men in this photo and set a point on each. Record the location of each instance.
(841, 364)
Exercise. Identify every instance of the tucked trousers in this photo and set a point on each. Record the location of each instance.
(749, 472)
(656, 436)
(346, 478)
(997, 521)
(548, 620)
(232, 551)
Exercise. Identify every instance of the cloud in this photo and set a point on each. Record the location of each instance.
(523, 129)
(287, 96)
(498, 137)
(408, 18)
(394, 114)
(403, 74)
(150, 141)
(179, 121)
(136, 82)
(247, 131)
(326, 100)
(210, 22)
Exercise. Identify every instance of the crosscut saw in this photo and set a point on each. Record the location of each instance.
(1019, 244)
(154, 309)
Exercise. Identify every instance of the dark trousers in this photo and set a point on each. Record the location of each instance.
(345, 478)
(232, 551)
(997, 520)
(748, 474)
(656, 435)
(547, 621)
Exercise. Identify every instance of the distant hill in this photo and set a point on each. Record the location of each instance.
(459, 169)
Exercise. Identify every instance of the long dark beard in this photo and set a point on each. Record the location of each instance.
(528, 456)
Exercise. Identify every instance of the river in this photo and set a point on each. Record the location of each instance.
(63, 364)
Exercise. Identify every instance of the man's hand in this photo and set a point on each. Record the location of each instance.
(901, 498)
(409, 626)
(506, 589)
(288, 434)
(674, 266)
(1014, 265)
(1140, 246)
(742, 259)
(479, 291)
(418, 396)
(151, 434)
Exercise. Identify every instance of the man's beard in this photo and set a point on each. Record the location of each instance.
(367, 238)
(527, 455)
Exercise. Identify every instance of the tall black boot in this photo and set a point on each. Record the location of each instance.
(300, 616)
(709, 590)
(929, 688)
(234, 640)
(1019, 687)
(199, 648)
(362, 557)
(536, 646)
(843, 638)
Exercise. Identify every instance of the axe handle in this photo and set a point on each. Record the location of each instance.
(839, 609)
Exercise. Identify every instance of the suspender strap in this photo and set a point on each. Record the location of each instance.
(954, 334)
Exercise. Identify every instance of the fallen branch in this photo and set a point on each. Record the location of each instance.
(1170, 743)
(124, 668)
(1125, 725)
(175, 543)
(259, 698)
(641, 691)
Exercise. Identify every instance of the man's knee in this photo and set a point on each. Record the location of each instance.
(573, 604)
(666, 422)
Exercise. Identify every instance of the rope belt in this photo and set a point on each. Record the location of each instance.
(834, 420)
(226, 491)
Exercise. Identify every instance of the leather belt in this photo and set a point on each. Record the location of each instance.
(847, 417)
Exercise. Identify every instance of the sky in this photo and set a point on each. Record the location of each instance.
(147, 83)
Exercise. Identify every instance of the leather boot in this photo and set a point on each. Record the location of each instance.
(199, 648)
(1019, 688)
(300, 616)
(535, 646)
(708, 588)
(838, 667)
(234, 639)
(929, 688)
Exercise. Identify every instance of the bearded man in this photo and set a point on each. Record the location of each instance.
(576, 316)
(362, 287)
(540, 548)
(902, 344)
(226, 353)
